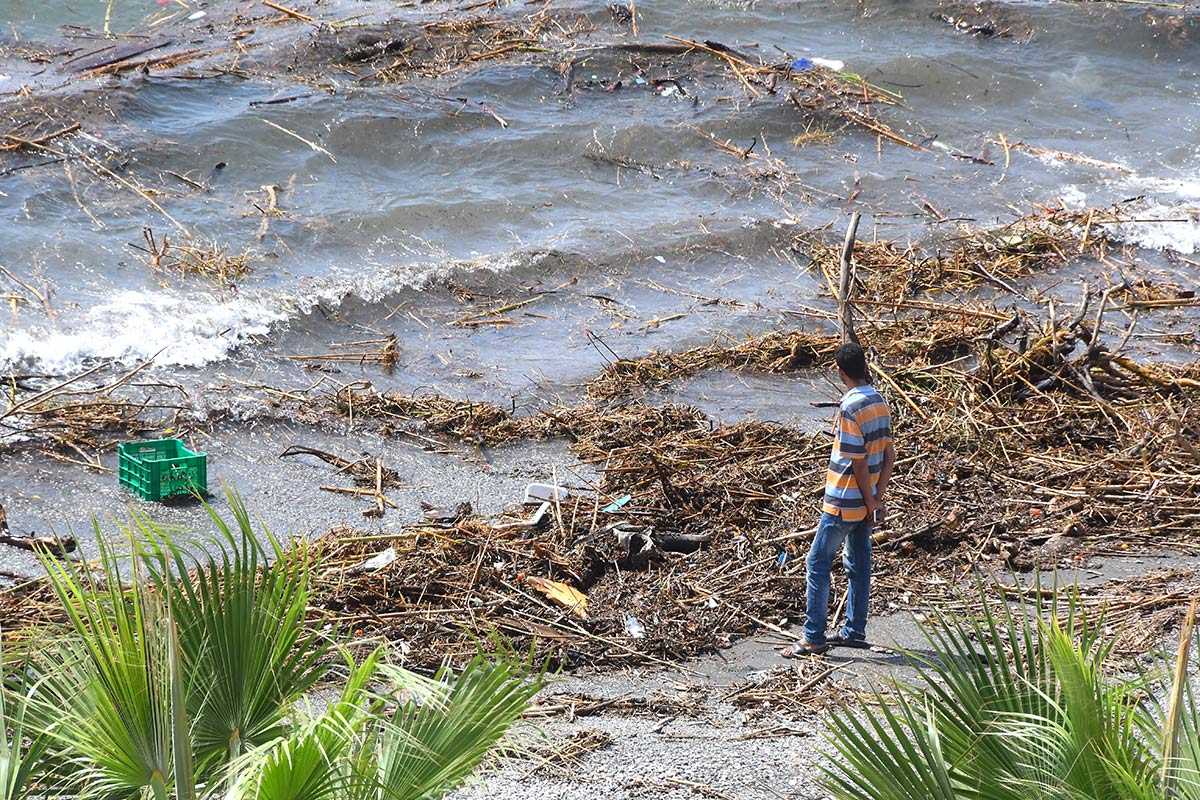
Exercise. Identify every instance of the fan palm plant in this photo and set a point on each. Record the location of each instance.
(1016, 706)
(240, 618)
(197, 679)
(111, 696)
(20, 749)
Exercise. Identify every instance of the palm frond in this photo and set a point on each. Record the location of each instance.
(240, 616)
(198, 678)
(888, 753)
(1173, 687)
(105, 694)
(1012, 704)
(433, 744)
(1084, 743)
(300, 766)
(314, 759)
(22, 748)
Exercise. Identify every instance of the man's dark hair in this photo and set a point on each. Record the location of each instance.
(852, 360)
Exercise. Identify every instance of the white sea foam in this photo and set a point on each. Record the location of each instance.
(131, 326)
(1165, 227)
(194, 329)
(1072, 196)
(1168, 218)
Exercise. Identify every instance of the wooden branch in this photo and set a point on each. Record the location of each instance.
(1061, 156)
(359, 492)
(16, 142)
(53, 544)
(175, 59)
(289, 12)
(118, 55)
(845, 312)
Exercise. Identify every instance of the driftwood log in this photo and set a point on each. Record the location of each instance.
(61, 544)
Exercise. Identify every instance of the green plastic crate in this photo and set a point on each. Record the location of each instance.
(161, 468)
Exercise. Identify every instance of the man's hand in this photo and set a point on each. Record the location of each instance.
(877, 512)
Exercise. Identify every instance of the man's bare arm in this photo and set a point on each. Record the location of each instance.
(862, 476)
(885, 472)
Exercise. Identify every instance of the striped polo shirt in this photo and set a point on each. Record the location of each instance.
(863, 429)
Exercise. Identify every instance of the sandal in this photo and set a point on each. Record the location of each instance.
(846, 641)
(803, 648)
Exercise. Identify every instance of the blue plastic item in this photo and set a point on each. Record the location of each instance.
(617, 504)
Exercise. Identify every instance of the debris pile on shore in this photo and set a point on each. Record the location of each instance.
(627, 557)
(1031, 244)
(1031, 442)
(74, 419)
(1027, 438)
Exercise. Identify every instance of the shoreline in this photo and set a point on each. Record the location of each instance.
(743, 723)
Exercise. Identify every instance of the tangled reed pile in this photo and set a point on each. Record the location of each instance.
(887, 271)
(592, 54)
(205, 259)
(1024, 442)
(1027, 439)
(78, 418)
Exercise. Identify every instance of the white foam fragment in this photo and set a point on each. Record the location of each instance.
(1161, 226)
(1072, 196)
(1167, 219)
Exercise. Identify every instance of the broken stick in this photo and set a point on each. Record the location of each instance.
(289, 12)
(845, 312)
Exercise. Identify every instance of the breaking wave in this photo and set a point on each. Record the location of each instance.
(184, 329)
(1167, 217)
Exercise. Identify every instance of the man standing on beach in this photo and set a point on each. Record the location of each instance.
(860, 467)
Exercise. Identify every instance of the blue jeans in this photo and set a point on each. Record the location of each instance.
(832, 531)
